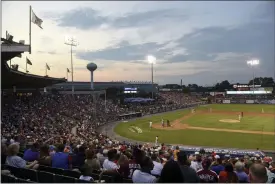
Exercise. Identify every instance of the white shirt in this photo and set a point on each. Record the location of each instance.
(157, 168)
(108, 165)
(142, 177)
(86, 178)
(196, 165)
(150, 123)
(157, 139)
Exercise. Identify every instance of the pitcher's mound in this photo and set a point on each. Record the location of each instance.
(229, 121)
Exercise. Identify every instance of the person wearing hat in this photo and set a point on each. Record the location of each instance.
(206, 175)
(217, 166)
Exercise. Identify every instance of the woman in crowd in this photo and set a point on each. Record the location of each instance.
(171, 173)
(16, 161)
(44, 157)
(228, 175)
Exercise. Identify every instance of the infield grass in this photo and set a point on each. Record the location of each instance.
(208, 138)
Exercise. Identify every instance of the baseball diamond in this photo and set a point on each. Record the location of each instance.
(220, 127)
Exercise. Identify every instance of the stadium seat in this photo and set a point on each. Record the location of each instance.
(70, 173)
(83, 181)
(107, 179)
(95, 176)
(28, 174)
(7, 179)
(45, 177)
(20, 180)
(63, 179)
(125, 180)
(14, 170)
(51, 169)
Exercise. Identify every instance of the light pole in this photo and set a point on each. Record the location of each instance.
(71, 42)
(253, 63)
(152, 60)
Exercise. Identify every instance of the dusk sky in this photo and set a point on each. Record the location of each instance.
(198, 42)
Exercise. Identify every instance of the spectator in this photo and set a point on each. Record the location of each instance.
(32, 153)
(189, 174)
(61, 159)
(217, 166)
(44, 156)
(228, 175)
(171, 173)
(92, 161)
(175, 153)
(258, 174)
(196, 164)
(85, 173)
(109, 163)
(3, 153)
(78, 159)
(272, 167)
(16, 161)
(206, 175)
(134, 163)
(144, 174)
(242, 176)
(157, 166)
(123, 164)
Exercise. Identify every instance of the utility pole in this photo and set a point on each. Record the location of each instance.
(72, 42)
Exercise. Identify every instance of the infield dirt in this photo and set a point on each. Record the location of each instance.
(177, 125)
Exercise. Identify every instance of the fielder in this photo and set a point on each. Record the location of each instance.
(157, 139)
(240, 117)
(150, 124)
(162, 123)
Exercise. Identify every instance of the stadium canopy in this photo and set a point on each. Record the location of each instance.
(11, 78)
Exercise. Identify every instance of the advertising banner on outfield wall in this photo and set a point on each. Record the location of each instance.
(266, 102)
(226, 101)
(250, 101)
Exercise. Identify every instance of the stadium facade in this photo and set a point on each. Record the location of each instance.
(98, 86)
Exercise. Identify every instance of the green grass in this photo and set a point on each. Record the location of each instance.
(208, 138)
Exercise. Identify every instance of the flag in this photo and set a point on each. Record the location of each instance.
(48, 68)
(36, 20)
(28, 61)
(68, 70)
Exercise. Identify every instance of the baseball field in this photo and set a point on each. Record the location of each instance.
(216, 125)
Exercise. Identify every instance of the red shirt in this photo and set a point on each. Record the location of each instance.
(207, 176)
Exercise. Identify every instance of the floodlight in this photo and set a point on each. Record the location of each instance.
(151, 59)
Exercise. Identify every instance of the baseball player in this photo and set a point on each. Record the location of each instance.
(157, 139)
(162, 123)
(240, 117)
(150, 124)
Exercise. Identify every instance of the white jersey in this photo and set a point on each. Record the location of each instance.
(240, 117)
(157, 140)
(150, 124)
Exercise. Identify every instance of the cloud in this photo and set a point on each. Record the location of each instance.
(47, 52)
(124, 51)
(81, 18)
(88, 18)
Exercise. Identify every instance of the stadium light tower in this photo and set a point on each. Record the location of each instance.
(152, 60)
(71, 42)
(253, 63)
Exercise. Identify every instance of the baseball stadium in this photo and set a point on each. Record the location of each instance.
(108, 122)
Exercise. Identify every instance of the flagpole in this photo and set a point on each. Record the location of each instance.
(30, 31)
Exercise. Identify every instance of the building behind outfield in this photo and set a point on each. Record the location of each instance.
(98, 86)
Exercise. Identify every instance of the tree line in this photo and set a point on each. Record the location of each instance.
(222, 86)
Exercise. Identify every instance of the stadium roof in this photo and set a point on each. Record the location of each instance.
(11, 77)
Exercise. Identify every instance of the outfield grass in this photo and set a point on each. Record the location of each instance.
(208, 138)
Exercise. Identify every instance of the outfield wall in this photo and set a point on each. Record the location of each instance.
(245, 101)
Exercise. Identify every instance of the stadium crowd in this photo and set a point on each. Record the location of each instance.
(37, 132)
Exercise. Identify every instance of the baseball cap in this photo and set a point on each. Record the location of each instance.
(217, 157)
